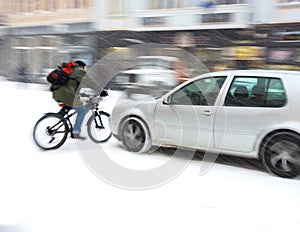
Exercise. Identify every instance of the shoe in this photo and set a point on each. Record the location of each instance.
(78, 136)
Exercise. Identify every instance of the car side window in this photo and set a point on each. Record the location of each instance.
(276, 96)
(200, 92)
(256, 92)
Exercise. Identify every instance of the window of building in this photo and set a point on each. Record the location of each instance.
(49, 5)
(191, 3)
(23, 57)
(75, 4)
(86, 3)
(287, 1)
(118, 7)
(167, 4)
(230, 2)
(46, 58)
(256, 92)
(78, 3)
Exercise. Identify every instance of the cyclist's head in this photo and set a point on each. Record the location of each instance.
(80, 63)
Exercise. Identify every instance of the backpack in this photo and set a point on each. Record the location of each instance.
(60, 76)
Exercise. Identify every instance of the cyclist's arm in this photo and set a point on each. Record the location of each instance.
(91, 83)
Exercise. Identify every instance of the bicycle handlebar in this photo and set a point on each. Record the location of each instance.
(87, 95)
(91, 95)
(93, 99)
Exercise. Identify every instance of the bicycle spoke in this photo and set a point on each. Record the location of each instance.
(50, 132)
(98, 128)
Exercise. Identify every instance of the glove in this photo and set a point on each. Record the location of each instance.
(104, 93)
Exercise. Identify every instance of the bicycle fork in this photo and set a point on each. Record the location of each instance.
(99, 125)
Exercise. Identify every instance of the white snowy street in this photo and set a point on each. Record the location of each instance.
(55, 191)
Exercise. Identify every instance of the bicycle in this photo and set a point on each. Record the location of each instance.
(51, 130)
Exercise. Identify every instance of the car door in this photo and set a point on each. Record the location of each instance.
(186, 117)
(252, 104)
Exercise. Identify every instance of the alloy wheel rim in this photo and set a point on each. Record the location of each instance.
(285, 156)
(133, 136)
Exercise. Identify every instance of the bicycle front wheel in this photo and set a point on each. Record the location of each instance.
(98, 127)
(50, 131)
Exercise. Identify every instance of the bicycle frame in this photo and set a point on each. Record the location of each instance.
(96, 113)
(65, 118)
(91, 105)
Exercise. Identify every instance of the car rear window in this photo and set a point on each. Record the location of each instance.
(256, 92)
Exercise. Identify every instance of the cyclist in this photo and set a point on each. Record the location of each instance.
(68, 95)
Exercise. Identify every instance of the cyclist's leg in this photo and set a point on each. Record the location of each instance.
(79, 119)
(64, 110)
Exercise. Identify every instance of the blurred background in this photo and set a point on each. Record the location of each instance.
(35, 35)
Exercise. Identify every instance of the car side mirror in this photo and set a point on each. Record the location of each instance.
(167, 101)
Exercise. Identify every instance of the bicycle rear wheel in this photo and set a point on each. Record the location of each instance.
(50, 131)
(98, 127)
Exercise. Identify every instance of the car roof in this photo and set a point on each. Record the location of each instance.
(255, 72)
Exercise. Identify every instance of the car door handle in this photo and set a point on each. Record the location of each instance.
(206, 113)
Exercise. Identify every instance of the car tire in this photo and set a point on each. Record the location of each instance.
(135, 135)
(281, 154)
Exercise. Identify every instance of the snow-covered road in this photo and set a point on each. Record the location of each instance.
(55, 191)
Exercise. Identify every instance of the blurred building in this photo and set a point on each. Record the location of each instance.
(37, 34)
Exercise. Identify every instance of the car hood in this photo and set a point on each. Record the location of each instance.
(141, 108)
(130, 103)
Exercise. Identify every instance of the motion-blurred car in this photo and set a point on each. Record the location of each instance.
(145, 81)
(246, 113)
(160, 72)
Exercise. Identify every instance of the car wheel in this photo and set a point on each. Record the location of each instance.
(135, 135)
(281, 155)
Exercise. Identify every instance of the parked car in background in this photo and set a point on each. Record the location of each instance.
(246, 113)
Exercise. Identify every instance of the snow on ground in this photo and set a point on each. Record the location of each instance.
(56, 191)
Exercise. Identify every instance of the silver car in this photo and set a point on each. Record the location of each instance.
(246, 113)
